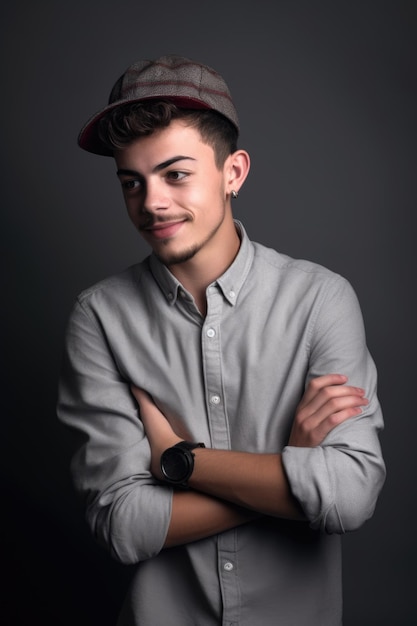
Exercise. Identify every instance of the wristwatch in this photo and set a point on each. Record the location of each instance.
(177, 463)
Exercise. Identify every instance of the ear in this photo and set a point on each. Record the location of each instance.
(237, 167)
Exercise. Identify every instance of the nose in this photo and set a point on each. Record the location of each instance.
(156, 196)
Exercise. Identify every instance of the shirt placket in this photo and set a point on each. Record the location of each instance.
(220, 438)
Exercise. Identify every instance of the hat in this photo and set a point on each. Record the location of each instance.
(187, 84)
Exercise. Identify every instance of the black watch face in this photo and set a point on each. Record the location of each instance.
(175, 465)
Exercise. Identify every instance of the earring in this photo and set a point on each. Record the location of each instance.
(234, 194)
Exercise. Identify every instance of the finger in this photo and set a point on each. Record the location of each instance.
(333, 396)
(325, 394)
(315, 428)
(333, 420)
(316, 384)
(331, 409)
(333, 413)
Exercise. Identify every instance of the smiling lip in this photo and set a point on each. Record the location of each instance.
(164, 230)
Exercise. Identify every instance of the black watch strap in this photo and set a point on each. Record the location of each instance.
(188, 445)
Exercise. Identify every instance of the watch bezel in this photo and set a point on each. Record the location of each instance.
(172, 461)
(176, 458)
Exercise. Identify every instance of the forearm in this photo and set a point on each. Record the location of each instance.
(196, 516)
(228, 489)
(254, 481)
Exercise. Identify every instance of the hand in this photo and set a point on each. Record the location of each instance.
(157, 428)
(327, 402)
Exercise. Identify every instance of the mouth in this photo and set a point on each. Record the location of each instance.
(163, 230)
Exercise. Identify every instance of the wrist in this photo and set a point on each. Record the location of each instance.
(177, 463)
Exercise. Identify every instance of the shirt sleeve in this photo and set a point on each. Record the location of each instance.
(338, 482)
(126, 509)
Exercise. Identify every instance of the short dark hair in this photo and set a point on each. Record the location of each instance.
(139, 119)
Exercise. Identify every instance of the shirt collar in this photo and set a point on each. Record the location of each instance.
(230, 283)
(232, 280)
(168, 283)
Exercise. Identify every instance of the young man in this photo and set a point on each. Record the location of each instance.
(223, 393)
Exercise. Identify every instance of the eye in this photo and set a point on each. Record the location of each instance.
(176, 176)
(130, 185)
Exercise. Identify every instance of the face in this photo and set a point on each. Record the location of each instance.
(175, 195)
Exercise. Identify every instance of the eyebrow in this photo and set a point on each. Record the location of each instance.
(157, 168)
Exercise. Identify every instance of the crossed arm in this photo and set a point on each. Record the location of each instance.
(230, 488)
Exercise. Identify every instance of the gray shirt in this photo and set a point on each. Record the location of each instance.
(233, 379)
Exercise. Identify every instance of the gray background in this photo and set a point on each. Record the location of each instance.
(327, 97)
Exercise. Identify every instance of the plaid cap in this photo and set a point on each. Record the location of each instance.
(188, 84)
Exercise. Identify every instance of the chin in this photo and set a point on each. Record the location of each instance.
(176, 258)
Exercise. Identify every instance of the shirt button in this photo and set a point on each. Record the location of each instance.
(211, 332)
(228, 566)
(170, 296)
(231, 293)
(215, 399)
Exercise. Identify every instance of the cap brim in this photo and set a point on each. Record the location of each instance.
(89, 139)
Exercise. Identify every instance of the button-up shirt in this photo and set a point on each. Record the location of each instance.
(232, 380)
